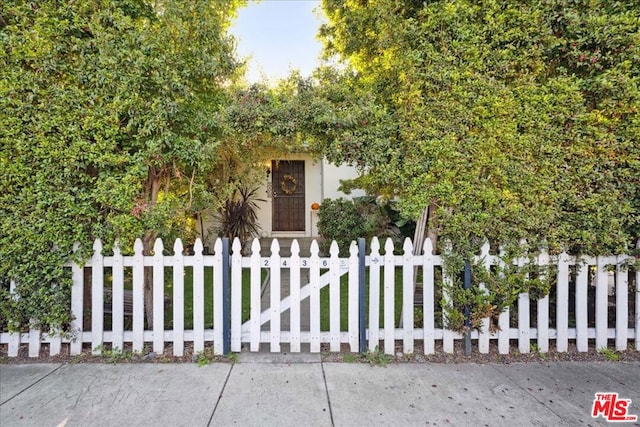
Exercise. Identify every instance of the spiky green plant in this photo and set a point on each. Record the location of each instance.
(239, 216)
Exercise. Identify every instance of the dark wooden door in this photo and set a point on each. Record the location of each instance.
(288, 195)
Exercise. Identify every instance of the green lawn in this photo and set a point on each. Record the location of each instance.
(324, 299)
(246, 309)
(208, 297)
(344, 301)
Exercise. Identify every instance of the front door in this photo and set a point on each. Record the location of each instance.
(288, 195)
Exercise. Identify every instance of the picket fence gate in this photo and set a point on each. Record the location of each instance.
(364, 330)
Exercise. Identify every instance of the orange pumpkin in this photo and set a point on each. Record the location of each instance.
(315, 206)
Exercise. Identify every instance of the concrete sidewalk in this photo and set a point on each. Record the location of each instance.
(300, 390)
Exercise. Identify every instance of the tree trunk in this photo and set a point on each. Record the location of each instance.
(153, 186)
(147, 242)
(431, 225)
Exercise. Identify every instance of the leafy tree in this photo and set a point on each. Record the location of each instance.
(341, 221)
(108, 130)
(512, 120)
(509, 120)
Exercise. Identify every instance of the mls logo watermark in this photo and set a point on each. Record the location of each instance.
(612, 408)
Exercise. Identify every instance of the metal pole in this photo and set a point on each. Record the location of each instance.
(467, 310)
(226, 299)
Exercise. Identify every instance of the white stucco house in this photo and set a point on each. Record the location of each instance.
(292, 183)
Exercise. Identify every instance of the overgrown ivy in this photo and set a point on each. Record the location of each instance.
(107, 130)
(508, 120)
(516, 272)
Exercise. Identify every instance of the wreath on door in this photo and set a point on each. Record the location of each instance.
(288, 185)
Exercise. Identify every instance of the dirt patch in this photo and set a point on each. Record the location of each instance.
(493, 356)
(109, 355)
(344, 355)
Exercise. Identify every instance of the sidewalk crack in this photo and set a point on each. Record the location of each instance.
(27, 388)
(326, 389)
(224, 386)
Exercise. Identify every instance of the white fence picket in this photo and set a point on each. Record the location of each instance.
(602, 302)
(218, 303)
(562, 303)
(198, 297)
(274, 290)
(34, 342)
(582, 304)
(483, 337)
(14, 338)
(158, 297)
(353, 298)
(178, 298)
(97, 298)
(77, 308)
(55, 343)
(389, 298)
(447, 282)
(236, 295)
(138, 297)
(524, 324)
(637, 305)
(255, 296)
(542, 323)
(622, 304)
(374, 294)
(314, 298)
(428, 299)
(407, 297)
(294, 292)
(334, 298)
(524, 344)
(117, 299)
(504, 332)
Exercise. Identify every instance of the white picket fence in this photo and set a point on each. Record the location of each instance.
(264, 326)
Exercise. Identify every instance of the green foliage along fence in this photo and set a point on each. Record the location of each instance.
(532, 320)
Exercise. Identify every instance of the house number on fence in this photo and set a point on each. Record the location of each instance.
(285, 262)
(304, 263)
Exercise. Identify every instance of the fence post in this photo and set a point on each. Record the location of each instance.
(467, 310)
(226, 299)
(361, 296)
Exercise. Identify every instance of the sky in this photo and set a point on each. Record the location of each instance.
(276, 36)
